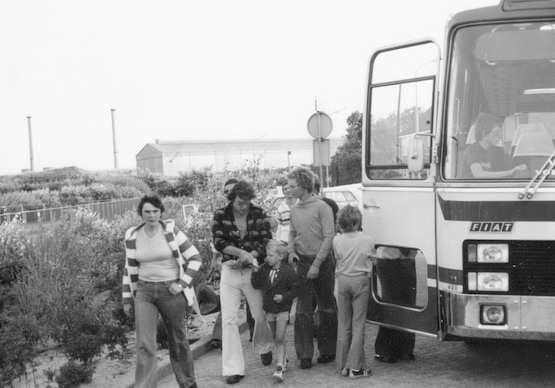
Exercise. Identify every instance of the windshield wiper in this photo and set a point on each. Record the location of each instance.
(538, 179)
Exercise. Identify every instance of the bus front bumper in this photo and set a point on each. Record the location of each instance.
(498, 316)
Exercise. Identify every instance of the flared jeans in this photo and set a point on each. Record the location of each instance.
(151, 299)
(234, 284)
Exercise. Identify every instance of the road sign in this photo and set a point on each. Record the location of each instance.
(321, 152)
(319, 125)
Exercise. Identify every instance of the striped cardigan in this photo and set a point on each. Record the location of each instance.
(185, 253)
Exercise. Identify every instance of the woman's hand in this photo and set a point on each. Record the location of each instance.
(175, 288)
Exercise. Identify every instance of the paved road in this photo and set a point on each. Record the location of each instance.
(438, 364)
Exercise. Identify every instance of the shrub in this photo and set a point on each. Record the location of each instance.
(48, 198)
(73, 374)
(12, 245)
(17, 201)
(184, 185)
(155, 181)
(67, 266)
(74, 195)
(123, 180)
(102, 192)
(18, 338)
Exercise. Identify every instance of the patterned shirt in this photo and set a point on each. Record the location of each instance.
(226, 233)
(185, 253)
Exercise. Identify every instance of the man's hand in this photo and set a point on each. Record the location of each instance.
(519, 168)
(246, 258)
(313, 272)
(278, 298)
(237, 264)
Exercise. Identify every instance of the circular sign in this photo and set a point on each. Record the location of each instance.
(319, 125)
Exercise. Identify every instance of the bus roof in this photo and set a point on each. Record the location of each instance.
(506, 10)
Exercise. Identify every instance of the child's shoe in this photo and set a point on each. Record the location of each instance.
(357, 374)
(278, 374)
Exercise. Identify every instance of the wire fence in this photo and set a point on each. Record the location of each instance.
(105, 210)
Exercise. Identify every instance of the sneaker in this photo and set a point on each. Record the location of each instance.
(386, 359)
(325, 358)
(345, 372)
(357, 374)
(234, 379)
(278, 374)
(215, 344)
(306, 363)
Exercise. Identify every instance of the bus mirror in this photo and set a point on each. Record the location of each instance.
(416, 154)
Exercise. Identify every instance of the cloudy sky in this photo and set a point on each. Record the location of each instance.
(186, 70)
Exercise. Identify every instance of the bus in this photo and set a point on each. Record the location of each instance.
(470, 203)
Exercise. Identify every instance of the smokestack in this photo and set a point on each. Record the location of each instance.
(31, 144)
(114, 138)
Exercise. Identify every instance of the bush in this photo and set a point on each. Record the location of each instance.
(12, 245)
(74, 195)
(123, 180)
(48, 198)
(69, 186)
(155, 181)
(17, 201)
(18, 338)
(73, 374)
(103, 192)
(68, 266)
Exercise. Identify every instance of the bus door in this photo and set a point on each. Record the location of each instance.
(398, 199)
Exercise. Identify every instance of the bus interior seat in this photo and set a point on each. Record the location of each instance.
(532, 149)
(522, 129)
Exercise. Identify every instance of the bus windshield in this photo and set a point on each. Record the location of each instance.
(501, 101)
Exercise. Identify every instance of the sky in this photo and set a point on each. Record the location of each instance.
(179, 70)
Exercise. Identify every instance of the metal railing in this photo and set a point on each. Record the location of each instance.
(105, 210)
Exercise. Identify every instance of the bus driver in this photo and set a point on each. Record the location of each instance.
(479, 159)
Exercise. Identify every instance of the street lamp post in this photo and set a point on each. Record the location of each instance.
(289, 160)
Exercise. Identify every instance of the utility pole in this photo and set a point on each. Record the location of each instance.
(31, 144)
(114, 138)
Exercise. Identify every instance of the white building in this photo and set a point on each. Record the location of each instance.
(171, 158)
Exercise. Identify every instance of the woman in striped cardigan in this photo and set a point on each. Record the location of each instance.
(160, 266)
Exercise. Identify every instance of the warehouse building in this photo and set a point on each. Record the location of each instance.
(171, 158)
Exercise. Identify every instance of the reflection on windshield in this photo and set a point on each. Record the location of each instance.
(501, 112)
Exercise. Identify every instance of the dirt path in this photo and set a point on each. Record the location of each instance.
(109, 372)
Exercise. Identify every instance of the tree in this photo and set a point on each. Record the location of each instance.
(346, 162)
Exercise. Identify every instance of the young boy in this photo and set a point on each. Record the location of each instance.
(353, 250)
(278, 281)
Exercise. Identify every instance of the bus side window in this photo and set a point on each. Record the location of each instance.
(400, 277)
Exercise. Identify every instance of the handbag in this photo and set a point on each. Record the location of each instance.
(208, 299)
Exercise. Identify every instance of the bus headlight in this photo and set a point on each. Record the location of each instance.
(492, 281)
(493, 253)
(493, 315)
(488, 281)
